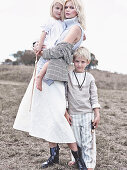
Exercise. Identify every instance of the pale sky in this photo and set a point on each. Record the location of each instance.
(106, 22)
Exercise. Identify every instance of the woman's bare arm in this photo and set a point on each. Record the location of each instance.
(73, 35)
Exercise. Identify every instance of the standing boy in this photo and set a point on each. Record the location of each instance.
(83, 107)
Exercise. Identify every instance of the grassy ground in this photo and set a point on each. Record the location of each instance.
(19, 151)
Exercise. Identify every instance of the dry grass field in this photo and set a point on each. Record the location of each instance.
(19, 151)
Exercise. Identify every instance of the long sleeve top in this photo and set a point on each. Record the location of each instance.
(62, 56)
(85, 100)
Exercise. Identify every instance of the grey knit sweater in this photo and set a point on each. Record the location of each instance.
(60, 57)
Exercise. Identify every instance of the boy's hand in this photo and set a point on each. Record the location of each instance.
(68, 117)
(97, 118)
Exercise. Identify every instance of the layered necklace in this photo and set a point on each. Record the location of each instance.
(80, 85)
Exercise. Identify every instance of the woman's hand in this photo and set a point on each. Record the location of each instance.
(68, 117)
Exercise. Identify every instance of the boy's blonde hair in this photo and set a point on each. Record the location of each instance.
(83, 53)
(62, 2)
(80, 11)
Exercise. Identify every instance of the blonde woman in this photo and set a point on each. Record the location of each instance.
(46, 119)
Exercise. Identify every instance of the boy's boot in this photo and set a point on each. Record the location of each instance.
(79, 151)
(79, 161)
(54, 157)
(80, 155)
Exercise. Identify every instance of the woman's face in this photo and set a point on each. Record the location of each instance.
(70, 11)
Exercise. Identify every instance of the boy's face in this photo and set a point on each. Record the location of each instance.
(80, 64)
(57, 10)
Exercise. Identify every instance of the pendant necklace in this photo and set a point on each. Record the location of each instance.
(80, 86)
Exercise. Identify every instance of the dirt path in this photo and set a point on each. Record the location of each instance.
(6, 82)
(19, 151)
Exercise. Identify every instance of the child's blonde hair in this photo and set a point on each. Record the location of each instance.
(83, 53)
(62, 2)
(80, 11)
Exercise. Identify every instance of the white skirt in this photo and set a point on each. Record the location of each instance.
(46, 119)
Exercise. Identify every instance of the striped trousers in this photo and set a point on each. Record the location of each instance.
(86, 140)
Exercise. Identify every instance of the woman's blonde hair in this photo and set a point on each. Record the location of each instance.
(62, 2)
(83, 53)
(80, 11)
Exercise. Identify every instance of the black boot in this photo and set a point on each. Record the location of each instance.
(79, 151)
(80, 155)
(79, 161)
(53, 159)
